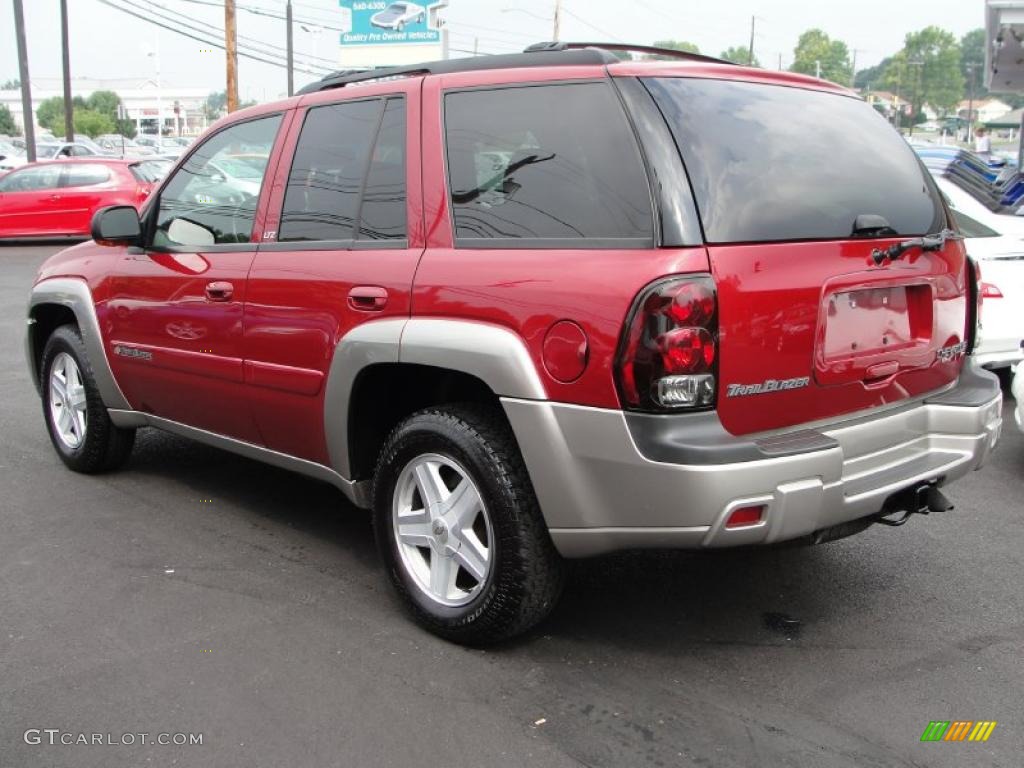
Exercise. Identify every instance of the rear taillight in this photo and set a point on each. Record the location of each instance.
(668, 356)
(990, 291)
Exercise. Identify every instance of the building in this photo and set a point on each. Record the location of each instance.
(985, 110)
(142, 99)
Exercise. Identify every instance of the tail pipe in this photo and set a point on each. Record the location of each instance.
(920, 499)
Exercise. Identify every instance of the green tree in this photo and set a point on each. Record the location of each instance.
(92, 123)
(11, 85)
(675, 45)
(870, 78)
(815, 49)
(7, 125)
(107, 103)
(927, 70)
(216, 105)
(50, 112)
(739, 54)
(972, 56)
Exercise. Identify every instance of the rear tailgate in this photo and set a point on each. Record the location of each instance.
(842, 335)
(811, 328)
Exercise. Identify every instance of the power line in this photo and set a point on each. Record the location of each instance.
(194, 34)
(586, 23)
(209, 29)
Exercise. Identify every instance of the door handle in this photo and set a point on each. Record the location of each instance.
(219, 290)
(368, 298)
(55, 197)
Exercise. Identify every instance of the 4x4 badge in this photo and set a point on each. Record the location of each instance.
(764, 387)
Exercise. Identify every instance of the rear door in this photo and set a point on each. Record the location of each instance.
(173, 322)
(811, 326)
(30, 201)
(340, 247)
(85, 188)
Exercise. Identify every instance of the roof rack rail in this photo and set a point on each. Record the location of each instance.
(539, 58)
(543, 54)
(649, 49)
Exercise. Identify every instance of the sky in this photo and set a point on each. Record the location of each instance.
(108, 43)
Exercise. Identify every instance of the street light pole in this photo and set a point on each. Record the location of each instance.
(27, 117)
(750, 52)
(69, 109)
(557, 26)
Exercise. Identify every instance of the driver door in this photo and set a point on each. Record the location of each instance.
(175, 309)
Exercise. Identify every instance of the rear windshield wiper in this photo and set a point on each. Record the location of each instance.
(933, 242)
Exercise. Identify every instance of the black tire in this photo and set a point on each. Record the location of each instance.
(526, 574)
(105, 446)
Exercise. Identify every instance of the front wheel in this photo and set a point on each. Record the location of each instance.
(76, 418)
(459, 527)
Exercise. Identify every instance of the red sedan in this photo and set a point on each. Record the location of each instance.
(58, 198)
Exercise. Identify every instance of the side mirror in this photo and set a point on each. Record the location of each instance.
(116, 224)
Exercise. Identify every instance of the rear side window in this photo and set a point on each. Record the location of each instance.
(150, 171)
(81, 175)
(552, 162)
(31, 179)
(771, 163)
(346, 181)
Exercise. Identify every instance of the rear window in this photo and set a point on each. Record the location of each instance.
(771, 163)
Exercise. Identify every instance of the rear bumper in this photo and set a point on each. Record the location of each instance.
(607, 481)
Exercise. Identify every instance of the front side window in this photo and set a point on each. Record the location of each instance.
(31, 179)
(83, 175)
(204, 203)
(347, 178)
(553, 162)
(775, 163)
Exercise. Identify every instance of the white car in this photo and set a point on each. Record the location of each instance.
(996, 241)
(397, 15)
(10, 157)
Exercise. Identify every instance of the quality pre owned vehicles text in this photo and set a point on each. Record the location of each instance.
(535, 307)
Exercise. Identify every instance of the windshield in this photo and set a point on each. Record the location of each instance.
(773, 163)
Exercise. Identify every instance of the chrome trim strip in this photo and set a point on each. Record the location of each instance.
(74, 294)
(357, 493)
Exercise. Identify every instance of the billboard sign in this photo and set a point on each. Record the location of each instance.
(383, 22)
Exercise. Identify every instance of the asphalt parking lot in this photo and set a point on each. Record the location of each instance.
(199, 592)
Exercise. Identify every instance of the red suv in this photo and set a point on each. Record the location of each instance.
(535, 307)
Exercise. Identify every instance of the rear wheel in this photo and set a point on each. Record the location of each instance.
(459, 527)
(76, 418)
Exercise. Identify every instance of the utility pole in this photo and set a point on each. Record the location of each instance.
(231, 48)
(970, 104)
(557, 20)
(27, 116)
(817, 69)
(780, 62)
(853, 69)
(750, 53)
(291, 52)
(69, 109)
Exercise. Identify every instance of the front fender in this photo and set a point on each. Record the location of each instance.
(74, 294)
